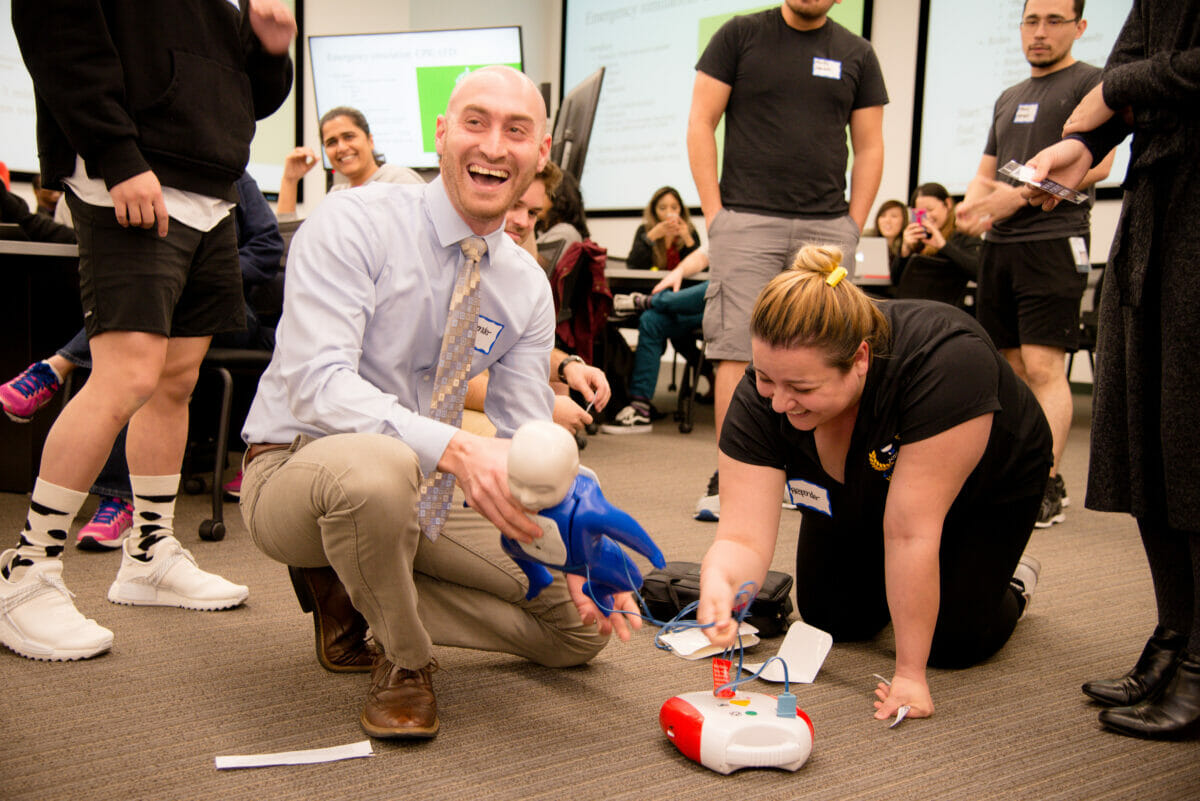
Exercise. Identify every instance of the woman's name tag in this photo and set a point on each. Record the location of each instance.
(810, 496)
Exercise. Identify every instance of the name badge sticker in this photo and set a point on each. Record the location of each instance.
(487, 331)
(1079, 248)
(810, 496)
(827, 68)
(1026, 112)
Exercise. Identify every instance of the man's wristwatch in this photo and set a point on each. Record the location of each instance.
(562, 373)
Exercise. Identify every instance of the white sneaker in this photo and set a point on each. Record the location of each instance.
(171, 578)
(629, 420)
(1025, 579)
(708, 508)
(39, 620)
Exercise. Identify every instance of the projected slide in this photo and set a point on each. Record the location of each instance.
(649, 49)
(973, 54)
(401, 81)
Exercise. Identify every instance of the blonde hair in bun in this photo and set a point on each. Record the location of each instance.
(809, 305)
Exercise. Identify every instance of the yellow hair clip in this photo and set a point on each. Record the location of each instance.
(835, 277)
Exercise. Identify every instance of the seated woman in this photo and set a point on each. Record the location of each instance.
(564, 221)
(666, 235)
(350, 148)
(669, 312)
(936, 261)
(890, 222)
(917, 457)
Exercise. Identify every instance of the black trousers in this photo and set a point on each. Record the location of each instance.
(840, 580)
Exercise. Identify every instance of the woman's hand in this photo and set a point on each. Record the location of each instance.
(297, 163)
(913, 239)
(935, 235)
(1090, 114)
(910, 692)
(716, 608)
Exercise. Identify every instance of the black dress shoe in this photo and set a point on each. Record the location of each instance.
(1172, 714)
(1153, 670)
(340, 630)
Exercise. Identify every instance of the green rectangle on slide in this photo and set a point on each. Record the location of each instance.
(434, 85)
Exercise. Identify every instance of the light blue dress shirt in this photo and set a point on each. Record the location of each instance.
(369, 279)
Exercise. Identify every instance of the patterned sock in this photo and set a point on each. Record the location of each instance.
(153, 511)
(51, 510)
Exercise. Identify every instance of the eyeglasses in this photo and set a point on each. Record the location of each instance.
(1052, 23)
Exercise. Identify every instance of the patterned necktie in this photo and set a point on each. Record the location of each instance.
(450, 384)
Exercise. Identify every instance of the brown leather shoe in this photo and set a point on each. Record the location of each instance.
(400, 703)
(341, 630)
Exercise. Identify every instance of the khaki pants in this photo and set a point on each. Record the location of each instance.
(349, 501)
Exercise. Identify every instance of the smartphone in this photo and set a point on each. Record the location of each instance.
(919, 218)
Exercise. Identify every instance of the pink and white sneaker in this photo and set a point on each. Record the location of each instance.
(233, 487)
(108, 526)
(29, 391)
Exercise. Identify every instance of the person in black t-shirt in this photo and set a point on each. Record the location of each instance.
(1033, 267)
(936, 260)
(917, 457)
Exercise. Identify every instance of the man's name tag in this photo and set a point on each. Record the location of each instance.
(810, 496)
(827, 68)
(1079, 249)
(1026, 112)
(487, 331)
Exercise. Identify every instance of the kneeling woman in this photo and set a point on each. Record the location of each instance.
(918, 459)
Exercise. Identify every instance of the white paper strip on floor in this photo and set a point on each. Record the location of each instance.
(309, 757)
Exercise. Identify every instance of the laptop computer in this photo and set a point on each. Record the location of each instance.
(871, 262)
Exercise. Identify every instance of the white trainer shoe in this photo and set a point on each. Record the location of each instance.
(171, 578)
(1025, 578)
(39, 620)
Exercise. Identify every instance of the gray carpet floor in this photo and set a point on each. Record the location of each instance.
(179, 688)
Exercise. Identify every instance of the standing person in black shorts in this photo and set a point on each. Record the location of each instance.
(917, 457)
(1033, 266)
(789, 81)
(145, 113)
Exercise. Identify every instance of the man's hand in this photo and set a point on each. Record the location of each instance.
(589, 613)
(976, 216)
(481, 466)
(910, 692)
(588, 381)
(273, 24)
(138, 201)
(569, 414)
(672, 281)
(1066, 162)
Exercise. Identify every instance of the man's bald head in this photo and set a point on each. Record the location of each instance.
(491, 141)
(505, 77)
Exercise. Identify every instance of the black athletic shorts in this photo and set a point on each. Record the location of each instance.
(1029, 293)
(186, 284)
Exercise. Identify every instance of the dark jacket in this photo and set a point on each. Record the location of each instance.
(641, 252)
(173, 87)
(1145, 427)
(942, 276)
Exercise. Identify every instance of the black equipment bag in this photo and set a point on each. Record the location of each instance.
(668, 590)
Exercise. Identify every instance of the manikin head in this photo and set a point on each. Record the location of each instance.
(543, 461)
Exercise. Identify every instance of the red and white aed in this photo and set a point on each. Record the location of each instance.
(744, 731)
